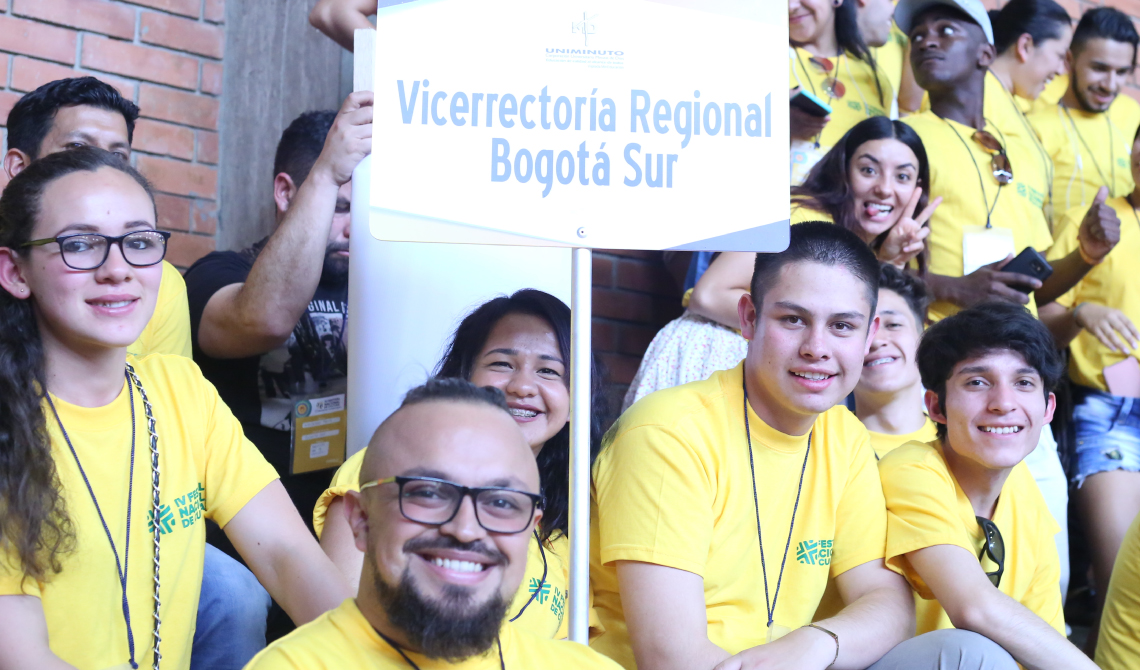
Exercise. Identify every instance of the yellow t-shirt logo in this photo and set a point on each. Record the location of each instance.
(814, 552)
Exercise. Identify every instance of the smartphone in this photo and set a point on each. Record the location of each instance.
(1030, 263)
(808, 103)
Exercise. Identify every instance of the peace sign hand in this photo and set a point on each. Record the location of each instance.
(906, 238)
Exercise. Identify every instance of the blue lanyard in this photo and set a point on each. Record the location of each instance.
(120, 568)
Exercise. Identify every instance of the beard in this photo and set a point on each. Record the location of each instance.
(451, 629)
(1082, 96)
(335, 270)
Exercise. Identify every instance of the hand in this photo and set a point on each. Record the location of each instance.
(805, 126)
(1108, 325)
(1100, 229)
(905, 240)
(802, 649)
(349, 140)
(990, 283)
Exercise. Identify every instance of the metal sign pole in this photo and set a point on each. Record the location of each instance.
(581, 408)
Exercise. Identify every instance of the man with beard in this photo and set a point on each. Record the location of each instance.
(1087, 132)
(262, 318)
(449, 495)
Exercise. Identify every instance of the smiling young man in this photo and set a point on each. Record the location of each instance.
(1088, 133)
(722, 507)
(967, 526)
(449, 494)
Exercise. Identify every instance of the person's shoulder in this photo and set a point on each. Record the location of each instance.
(324, 642)
(1023, 489)
(673, 407)
(840, 424)
(167, 366)
(224, 261)
(911, 457)
(536, 651)
(923, 123)
(1125, 110)
(348, 474)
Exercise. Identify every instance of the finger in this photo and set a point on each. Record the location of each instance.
(1101, 196)
(997, 265)
(1131, 332)
(1100, 335)
(929, 211)
(1117, 340)
(922, 233)
(912, 204)
(357, 100)
(1003, 292)
(1017, 279)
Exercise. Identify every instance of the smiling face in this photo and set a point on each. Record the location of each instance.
(1099, 71)
(890, 365)
(995, 409)
(810, 20)
(947, 49)
(883, 175)
(874, 17)
(103, 308)
(1044, 61)
(522, 359)
(806, 346)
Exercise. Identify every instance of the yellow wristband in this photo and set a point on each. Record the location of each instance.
(833, 636)
(1086, 258)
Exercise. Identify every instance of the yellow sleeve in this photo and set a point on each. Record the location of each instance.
(1119, 645)
(861, 518)
(654, 499)
(1066, 243)
(921, 510)
(347, 478)
(168, 331)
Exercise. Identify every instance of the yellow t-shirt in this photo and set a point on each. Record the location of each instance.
(672, 486)
(1030, 161)
(891, 56)
(1119, 644)
(955, 177)
(208, 469)
(343, 638)
(545, 613)
(804, 214)
(1111, 283)
(860, 100)
(885, 443)
(168, 331)
(1089, 150)
(926, 507)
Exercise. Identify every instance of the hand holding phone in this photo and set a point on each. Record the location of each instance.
(1030, 263)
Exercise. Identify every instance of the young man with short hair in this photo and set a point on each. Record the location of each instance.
(1087, 133)
(967, 525)
(888, 398)
(449, 495)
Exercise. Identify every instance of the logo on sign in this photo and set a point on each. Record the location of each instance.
(585, 27)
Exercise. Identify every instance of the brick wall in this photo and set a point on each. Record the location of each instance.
(166, 56)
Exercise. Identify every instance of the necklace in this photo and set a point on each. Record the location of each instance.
(412, 664)
(121, 569)
(1096, 163)
(541, 582)
(981, 181)
(771, 605)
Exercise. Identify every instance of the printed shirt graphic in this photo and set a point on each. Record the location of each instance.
(672, 486)
(208, 469)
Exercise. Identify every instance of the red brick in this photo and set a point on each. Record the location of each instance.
(623, 305)
(178, 107)
(29, 74)
(184, 249)
(205, 217)
(207, 147)
(95, 15)
(645, 277)
(603, 271)
(212, 78)
(216, 11)
(191, 8)
(635, 339)
(173, 212)
(7, 101)
(182, 34)
(130, 60)
(4, 60)
(604, 336)
(178, 178)
(37, 39)
(620, 369)
(156, 137)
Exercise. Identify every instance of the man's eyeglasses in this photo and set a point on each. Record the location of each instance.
(994, 547)
(434, 502)
(999, 160)
(87, 251)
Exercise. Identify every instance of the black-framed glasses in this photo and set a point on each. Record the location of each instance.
(88, 251)
(999, 160)
(434, 502)
(994, 547)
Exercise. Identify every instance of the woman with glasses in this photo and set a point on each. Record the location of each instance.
(108, 465)
(521, 345)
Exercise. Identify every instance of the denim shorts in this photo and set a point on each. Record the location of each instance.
(1107, 431)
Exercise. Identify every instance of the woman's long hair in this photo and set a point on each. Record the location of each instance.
(1040, 19)
(851, 42)
(34, 523)
(827, 187)
(554, 459)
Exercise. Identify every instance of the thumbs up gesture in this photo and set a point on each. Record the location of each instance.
(1100, 229)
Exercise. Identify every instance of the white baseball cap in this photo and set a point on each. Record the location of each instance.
(907, 10)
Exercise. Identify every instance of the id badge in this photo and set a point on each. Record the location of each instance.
(776, 631)
(982, 246)
(804, 156)
(320, 433)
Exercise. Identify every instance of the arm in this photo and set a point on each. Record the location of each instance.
(1111, 326)
(719, 289)
(910, 93)
(338, 19)
(1098, 233)
(24, 636)
(270, 536)
(986, 283)
(249, 319)
(339, 545)
(665, 612)
(972, 603)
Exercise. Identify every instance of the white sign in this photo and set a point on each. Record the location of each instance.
(624, 124)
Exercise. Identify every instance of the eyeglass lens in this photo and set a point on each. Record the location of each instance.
(87, 252)
(999, 160)
(497, 510)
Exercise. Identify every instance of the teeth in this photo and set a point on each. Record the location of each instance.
(120, 303)
(880, 361)
(457, 566)
(523, 413)
(881, 208)
(814, 376)
(1001, 430)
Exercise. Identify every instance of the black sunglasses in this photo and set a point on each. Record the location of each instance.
(994, 547)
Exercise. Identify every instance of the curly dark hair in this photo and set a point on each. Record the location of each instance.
(34, 523)
(301, 144)
(554, 458)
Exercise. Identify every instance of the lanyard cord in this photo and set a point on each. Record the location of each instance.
(1111, 149)
(771, 605)
(413, 666)
(120, 568)
(981, 182)
(541, 582)
(1046, 160)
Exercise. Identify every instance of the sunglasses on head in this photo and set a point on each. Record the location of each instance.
(994, 548)
(999, 160)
